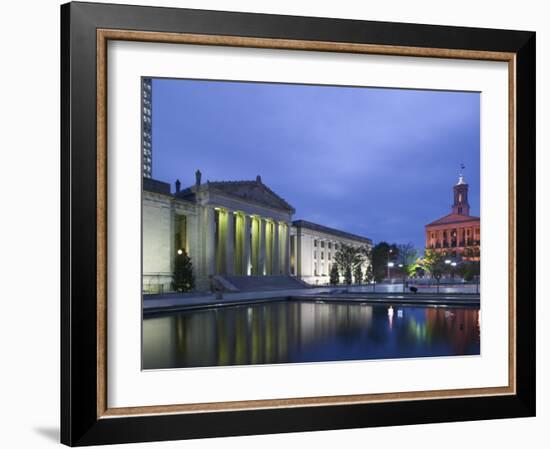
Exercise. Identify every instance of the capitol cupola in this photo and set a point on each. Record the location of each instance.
(460, 189)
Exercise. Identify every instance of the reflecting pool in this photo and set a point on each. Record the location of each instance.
(293, 332)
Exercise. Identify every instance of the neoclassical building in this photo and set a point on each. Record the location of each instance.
(229, 229)
(312, 250)
(458, 233)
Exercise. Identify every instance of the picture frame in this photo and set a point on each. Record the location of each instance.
(86, 28)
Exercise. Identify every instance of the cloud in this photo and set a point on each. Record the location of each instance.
(379, 162)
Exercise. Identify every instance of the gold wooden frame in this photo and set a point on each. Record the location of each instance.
(104, 35)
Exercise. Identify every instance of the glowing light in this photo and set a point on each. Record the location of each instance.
(180, 252)
(390, 264)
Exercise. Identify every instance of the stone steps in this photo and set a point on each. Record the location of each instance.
(263, 283)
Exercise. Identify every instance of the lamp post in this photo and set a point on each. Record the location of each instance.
(447, 263)
(389, 252)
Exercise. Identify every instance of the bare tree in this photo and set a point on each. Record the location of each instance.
(348, 258)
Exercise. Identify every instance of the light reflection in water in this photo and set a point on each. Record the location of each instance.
(290, 332)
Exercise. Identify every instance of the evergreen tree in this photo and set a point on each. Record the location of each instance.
(369, 275)
(334, 275)
(347, 275)
(358, 274)
(182, 277)
(381, 254)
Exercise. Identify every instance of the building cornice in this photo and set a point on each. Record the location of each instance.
(330, 231)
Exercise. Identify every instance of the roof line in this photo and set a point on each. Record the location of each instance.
(214, 185)
(326, 229)
(468, 218)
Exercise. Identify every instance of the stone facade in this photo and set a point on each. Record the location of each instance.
(313, 248)
(457, 234)
(233, 228)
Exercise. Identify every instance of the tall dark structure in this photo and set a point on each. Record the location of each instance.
(460, 205)
(146, 126)
(458, 233)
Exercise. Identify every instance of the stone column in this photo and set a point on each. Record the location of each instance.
(246, 246)
(298, 252)
(276, 264)
(286, 268)
(261, 257)
(230, 242)
(210, 243)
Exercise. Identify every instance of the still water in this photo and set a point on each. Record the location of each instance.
(292, 331)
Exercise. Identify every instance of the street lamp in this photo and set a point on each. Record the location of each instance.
(453, 264)
(389, 252)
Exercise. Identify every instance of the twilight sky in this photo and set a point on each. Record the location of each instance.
(375, 162)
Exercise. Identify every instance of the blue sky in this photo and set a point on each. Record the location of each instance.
(375, 162)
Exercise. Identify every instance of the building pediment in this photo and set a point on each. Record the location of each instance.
(453, 218)
(253, 191)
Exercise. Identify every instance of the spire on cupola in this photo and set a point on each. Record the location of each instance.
(460, 191)
(461, 175)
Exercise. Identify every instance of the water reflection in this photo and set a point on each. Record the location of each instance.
(286, 332)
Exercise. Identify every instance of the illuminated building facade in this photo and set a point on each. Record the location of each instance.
(458, 233)
(229, 229)
(312, 249)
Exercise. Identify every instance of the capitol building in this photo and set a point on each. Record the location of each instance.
(457, 234)
(233, 230)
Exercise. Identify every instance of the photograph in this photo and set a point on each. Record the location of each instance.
(270, 224)
(305, 223)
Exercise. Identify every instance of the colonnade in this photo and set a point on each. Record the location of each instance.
(246, 245)
(461, 239)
